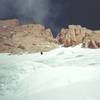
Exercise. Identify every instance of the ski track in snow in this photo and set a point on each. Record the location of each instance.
(62, 74)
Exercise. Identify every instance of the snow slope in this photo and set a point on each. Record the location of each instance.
(62, 74)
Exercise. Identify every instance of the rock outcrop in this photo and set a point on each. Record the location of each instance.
(75, 34)
(26, 38)
(16, 38)
(9, 23)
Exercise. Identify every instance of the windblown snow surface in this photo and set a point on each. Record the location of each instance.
(62, 74)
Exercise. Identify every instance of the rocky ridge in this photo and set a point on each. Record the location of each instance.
(76, 34)
(16, 38)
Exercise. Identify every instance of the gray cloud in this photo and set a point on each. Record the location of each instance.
(36, 10)
(32, 9)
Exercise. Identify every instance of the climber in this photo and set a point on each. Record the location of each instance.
(41, 53)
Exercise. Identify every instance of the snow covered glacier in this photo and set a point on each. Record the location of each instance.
(62, 74)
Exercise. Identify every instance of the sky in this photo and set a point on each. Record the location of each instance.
(53, 13)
